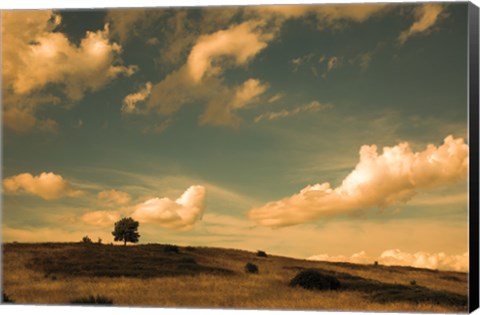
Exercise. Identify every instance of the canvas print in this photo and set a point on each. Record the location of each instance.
(290, 157)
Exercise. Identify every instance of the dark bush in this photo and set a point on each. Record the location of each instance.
(261, 253)
(375, 263)
(6, 299)
(171, 248)
(99, 299)
(314, 280)
(190, 248)
(251, 268)
(413, 282)
(86, 240)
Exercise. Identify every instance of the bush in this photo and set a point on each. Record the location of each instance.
(171, 248)
(99, 241)
(251, 268)
(413, 282)
(99, 299)
(6, 299)
(314, 280)
(86, 240)
(261, 253)
(190, 248)
(375, 263)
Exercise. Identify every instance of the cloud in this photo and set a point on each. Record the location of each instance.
(239, 43)
(113, 197)
(178, 214)
(313, 106)
(48, 186)
(130, 101)
(394, 176)
(127, 23)
(247, 93)
(101, 218)
(396, 257)
(332, 63)
(426, 17)
(36, 57)
(276, 97)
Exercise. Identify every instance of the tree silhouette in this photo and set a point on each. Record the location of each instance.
(126, 230)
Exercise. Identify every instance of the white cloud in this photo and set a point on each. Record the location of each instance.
(313, 106)
(48, 186)
(130, 101)
(101, 218)
(426, 17)
(178, 214)
(247, 93)
(113, 197)
(392, 177)
(240, 43)
(36, 57)
(396, 257)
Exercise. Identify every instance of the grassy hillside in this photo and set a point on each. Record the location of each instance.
(167, 275)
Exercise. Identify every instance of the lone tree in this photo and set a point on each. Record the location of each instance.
(126, 230)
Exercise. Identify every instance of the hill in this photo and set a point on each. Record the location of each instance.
(174, 276)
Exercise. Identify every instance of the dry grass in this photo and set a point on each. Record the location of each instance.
(29, 278)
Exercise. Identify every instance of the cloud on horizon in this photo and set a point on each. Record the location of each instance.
(396, 257)
(378, 180)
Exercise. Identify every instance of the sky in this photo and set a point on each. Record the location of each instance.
(331, 132)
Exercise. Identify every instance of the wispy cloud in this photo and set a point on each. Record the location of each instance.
(392, 177)
(131, 100)
(313, 106)
(426, 17)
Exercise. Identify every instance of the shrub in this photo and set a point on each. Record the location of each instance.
(99, 299)
(86, 240)
(6, 299)
(190, 248)
(375, 263)
(261, 253)
(413, 282)
(171, 248)
(314, 280)
(251, 268)
(99, 241)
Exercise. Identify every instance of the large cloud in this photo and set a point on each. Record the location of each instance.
(101, 218)
(199, 79)
(378, 180)
(396, 257)
(174, 214)
(36, 57)
(426, 17)
(48, 186)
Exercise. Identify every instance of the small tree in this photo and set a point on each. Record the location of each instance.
(126, 230)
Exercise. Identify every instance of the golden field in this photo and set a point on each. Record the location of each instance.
(171, 276)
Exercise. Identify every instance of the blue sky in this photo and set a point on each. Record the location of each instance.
(243, 127)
